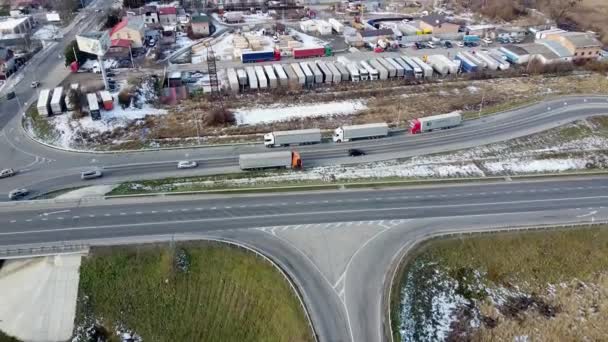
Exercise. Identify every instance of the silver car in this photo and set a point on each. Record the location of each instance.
(91, 174)
(187, 164)
(17, 194)
(7, 173)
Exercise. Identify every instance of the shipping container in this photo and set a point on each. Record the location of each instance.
(408, 72)
(466, 64)
(392, 71)
(435, 122)
(57, 101)
(437, 63)
(427, 71)
(369, 70)
(382, 72)
(491, 63)
(343, 71)
(310, 77)
(473, 58)
(418, 73)
(354, 72)
(260, 56)
(397, 66)
(295, 137)
(93, 106)
(282, 159)
(252, 80)
(44, 103)
(273, 82)
(367, 131)
(318, 51)
(233, 80)
(283, 80)
(336, 25)
(262, 80)
(242, 76)
(328, 75)
(106, 99)
(324, 28)
(334, 70)
(299, 73)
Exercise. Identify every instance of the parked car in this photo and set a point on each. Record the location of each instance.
(420, 45)
(487, 40)
(110, 74)
(355, 152)
(35, 84)
(447, 44)
(17, 194)
(7, 173)
(460, 44)
(10, 95)
(90, 174)
(187, 164)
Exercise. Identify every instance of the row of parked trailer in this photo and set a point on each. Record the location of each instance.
(57, 101)
(345, 70)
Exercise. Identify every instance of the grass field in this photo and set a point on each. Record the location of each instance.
(192, 292)
(5, 338)
(549, 286)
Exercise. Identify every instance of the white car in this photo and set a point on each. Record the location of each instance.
(187, 164)
(460, 44)
(7, 173)
(487, 40)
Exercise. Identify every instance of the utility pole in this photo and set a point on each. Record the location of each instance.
(483, 94)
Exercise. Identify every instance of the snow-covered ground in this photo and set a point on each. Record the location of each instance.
(48, 32)
(307, 40)
(252, 116)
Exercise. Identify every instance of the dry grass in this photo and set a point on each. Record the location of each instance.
(593, 15)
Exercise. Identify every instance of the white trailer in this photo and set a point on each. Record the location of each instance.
(354, 72)
(292, 77)
(68, 103)
(262, 80)
(282, 159)
(427, 71)
(392, 71)
(343, 60)
(336, 25)
(367, 131)
(283, 80)
(438, 64)
(473, 58)
(295, 137)
(453, 66)
(490, 62)
(408, 71)
(370, 71)
(431, 123)
(334, 70)
(44, 100)
(57, 101)
(342, 69)
(233, 80)
(273, 82)
(242, 76)
(252, 79)
(93, 106)
(310, 77)
(319, 76)
(400, 69)
(382, 72)
(503, 64)
(299, 73)
(418, 73)
(328, 75)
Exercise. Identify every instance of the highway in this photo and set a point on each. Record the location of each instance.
(356, 311)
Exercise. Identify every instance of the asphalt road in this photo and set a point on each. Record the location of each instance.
(424, 209)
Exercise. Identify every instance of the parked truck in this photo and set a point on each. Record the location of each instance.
(316, 71)
(260, 56)
(438, 64)
(251, 77)
(400, 69)
(318, 51)
(295, 137)
(367, 131)
(343, 71)
(382, 72)
(466, 64)
(334, 70)
(435, 122)
(372, 72)
(93, 106)
(354, 72)
(328, 75)
(427, 71)
(267, 160)
(418, 73)
(392, 71)
(491, 63)
(336, 25)
(262, 80)
(475, 59)
(242, 76)
(299, 73)
(44, 100)
(233, 80)
(57, 101)
(273, 82)
(283, 80)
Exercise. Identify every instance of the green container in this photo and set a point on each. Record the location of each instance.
(328, 51)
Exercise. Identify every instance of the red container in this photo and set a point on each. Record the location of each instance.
(309, 52)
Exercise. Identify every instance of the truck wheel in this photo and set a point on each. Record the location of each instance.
(338, 141)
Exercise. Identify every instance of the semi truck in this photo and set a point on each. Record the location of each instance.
(438, 64)
(267, 160)
(317, 51)
(299, 73)
(316, 71)
(292, 77)
(473, 58)
(93, 106)
(466, 64)
(44, 100)
(400, 69)
(295, 137)
(427, 71)
(355, 132)
(260, 56)
(382, 72)
(343, 70)
(328, 75)
(408, 72)
(57, 101)
(373, 73)
(392, 71)
(491, 63)
(354, 72)
(435, 122)
(363, 72)
(336, 25)
(106, 99)
(273, 82)
(242, 76)
(418, 73)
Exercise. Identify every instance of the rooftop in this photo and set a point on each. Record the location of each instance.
(434, 19)
(376, 33)
(581, 39)
(11, 23)
(134, 23)
(556, 47)
(124, 43)
(167, 10)
(540, 49)
(515, 49)
(200, 18)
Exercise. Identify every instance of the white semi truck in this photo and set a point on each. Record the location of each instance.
(355, 132)
(43, 104)
(295, 137)
(431, 123)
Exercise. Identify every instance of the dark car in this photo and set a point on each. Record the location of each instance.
(10, 95)
(420, 45)
(110, 74)
(355, 152)
(447, 44)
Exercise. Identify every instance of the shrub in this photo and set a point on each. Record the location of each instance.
(124, 99)
(219, 117)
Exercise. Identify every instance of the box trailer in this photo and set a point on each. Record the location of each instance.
(242, 76)
(353, 70)
(233, 80)
(343, 71)
(57, 101)
(503, 64)
(427, 71)
(453, 66)
(466, 64)
(367, 131)
(44, 103)
(295, 137)
(418, 73)
(440, 66)
(316, 71)
(328, 75)
(435, 122)
(282, 159)
(292, 77)
(408, 72)
(262, 80)
(93, 106)
(491, 63)
(382, 72)
(282, 76)
(310, 77)
(334, 70)
(336, 25)
(473, 58)
(106, 99)
(392, 71)
(299, 73)
(273, 82)
(68, 102)
(260, 56)
(397, 66)
(370, 71)
(252, 79)
(317, 51)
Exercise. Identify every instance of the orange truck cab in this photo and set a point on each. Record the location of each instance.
(296, 160)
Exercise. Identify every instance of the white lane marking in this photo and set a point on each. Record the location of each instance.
(169, 211)
(60, 218)
(56, 212)
(185, 209)
(107, 215)
(588, 214)
(123, 214)
(28, 220)
(91, 216)
(213, 208)
(138, 213)
(44, 219)
(153, 212)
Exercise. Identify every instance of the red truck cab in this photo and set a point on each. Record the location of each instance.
(415, 126)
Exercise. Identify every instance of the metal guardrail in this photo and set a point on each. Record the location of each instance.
(42, 250)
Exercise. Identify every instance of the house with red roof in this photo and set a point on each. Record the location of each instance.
(167, 16)
(129, 28)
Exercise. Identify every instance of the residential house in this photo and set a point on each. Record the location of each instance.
(7, 63)
(200, 25)
(150, 15)
(372, 36)
(130, 28)
(582, 45)
(167, 16)
(438, 24)
(119, 48)
(183, 20)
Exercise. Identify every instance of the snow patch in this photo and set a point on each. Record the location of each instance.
(252, 116)
(48, 32)
(533, 166)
